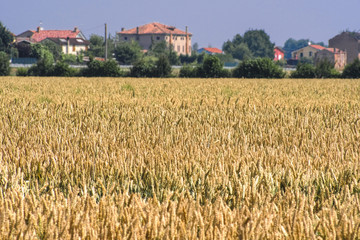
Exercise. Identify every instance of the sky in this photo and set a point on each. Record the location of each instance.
(211, 22)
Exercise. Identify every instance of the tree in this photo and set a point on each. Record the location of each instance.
(142, 68)
(211, 68)
(352, 70)
(6, 38)
(325, 69)
(304, 70)
(259, 43)
(127, 52)
(258, 68)
(162, 67)
(163, 48)
(4, 64)
(97, 46)
(54, 48)
(254, 43)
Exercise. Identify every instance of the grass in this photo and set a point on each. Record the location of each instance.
(179, 158)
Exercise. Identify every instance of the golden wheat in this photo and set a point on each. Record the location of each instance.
(179, 158)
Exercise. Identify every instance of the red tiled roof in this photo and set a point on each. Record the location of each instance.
(213, 50)
(43, 34)
(317, 47)
(154, 28)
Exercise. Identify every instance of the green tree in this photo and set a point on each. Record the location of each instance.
(304, 70)
(163, 48)
(162, 67)
(258, 68)
(211, 67)
(54, 48)
(6, 39)
(4, 64)
(242, 52)
(352, 70)
(259, 43)
(142, 68)
(97, 46)
(127, 52)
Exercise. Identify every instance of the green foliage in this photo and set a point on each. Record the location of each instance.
(102, 69)
(4, 64)
(142, 68)
(22, 72)
(325, 69)
(6, 39)
(211, 68)
(127, 52)
(304, 70)
(258, 68)
(54, 48)
(24, 49)
(162, 67)
(44, 66)
(62, 69)
(69, 58)
(40, 51)
(352, 70)
(163, 48)
(187, 71)
(254, 43)
(187, 59)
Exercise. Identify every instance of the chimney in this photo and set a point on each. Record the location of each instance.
(76, 29)
(137, 30)
(187, 41)
(122, 29)
(68, 45)
(38, 29)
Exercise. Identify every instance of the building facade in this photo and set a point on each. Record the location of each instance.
(335, 56)
(349, 42)
(151, 33)
(306, 52)
(279, 54)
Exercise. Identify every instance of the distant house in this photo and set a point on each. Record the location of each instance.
(71, 41)
(333, 55)
(151, 33)
(210, 51)
(306, 52)
(349, 42)
(279, 54)
(70, 45)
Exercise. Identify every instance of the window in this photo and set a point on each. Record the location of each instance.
(157, 38)
(125, 38)
(310, 54)
(178, 48)
(74, 48)
(301, 55)
(183, 48)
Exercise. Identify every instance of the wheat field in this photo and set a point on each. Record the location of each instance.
(113, 158)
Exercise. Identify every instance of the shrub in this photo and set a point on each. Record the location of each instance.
(187, 71)
(258, 68)
(62, 69)
(162, 67)
(142, 68)
(44, 67)
(111, 69)
(325, 69)
(304, 70)
(352, 70)
(4, 64)
(211, 67)
(22, 72)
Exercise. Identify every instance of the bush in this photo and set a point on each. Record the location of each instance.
(325, 69)
(22, 72)
(111, 69)
(162, 67)
(352, 70)
(187, 71)
(62, 69)
(44, 67)
(96, 68)
(211, 67)
(258, 68)
(304, 70)
(4, 64)
(142, 68)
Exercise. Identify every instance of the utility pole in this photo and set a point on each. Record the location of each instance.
(106, 50)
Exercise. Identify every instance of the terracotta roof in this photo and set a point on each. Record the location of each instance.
(280, 49)
(154, 28)
(334, 50)
(317, 47)
(213, 50)
(40, 35)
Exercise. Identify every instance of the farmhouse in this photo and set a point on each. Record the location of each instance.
(334, 55)
(148, 34)
(306, 52)
(71, 41)
(349, 42)
(279, 54)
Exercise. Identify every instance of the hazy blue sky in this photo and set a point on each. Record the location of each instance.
(211, 22)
